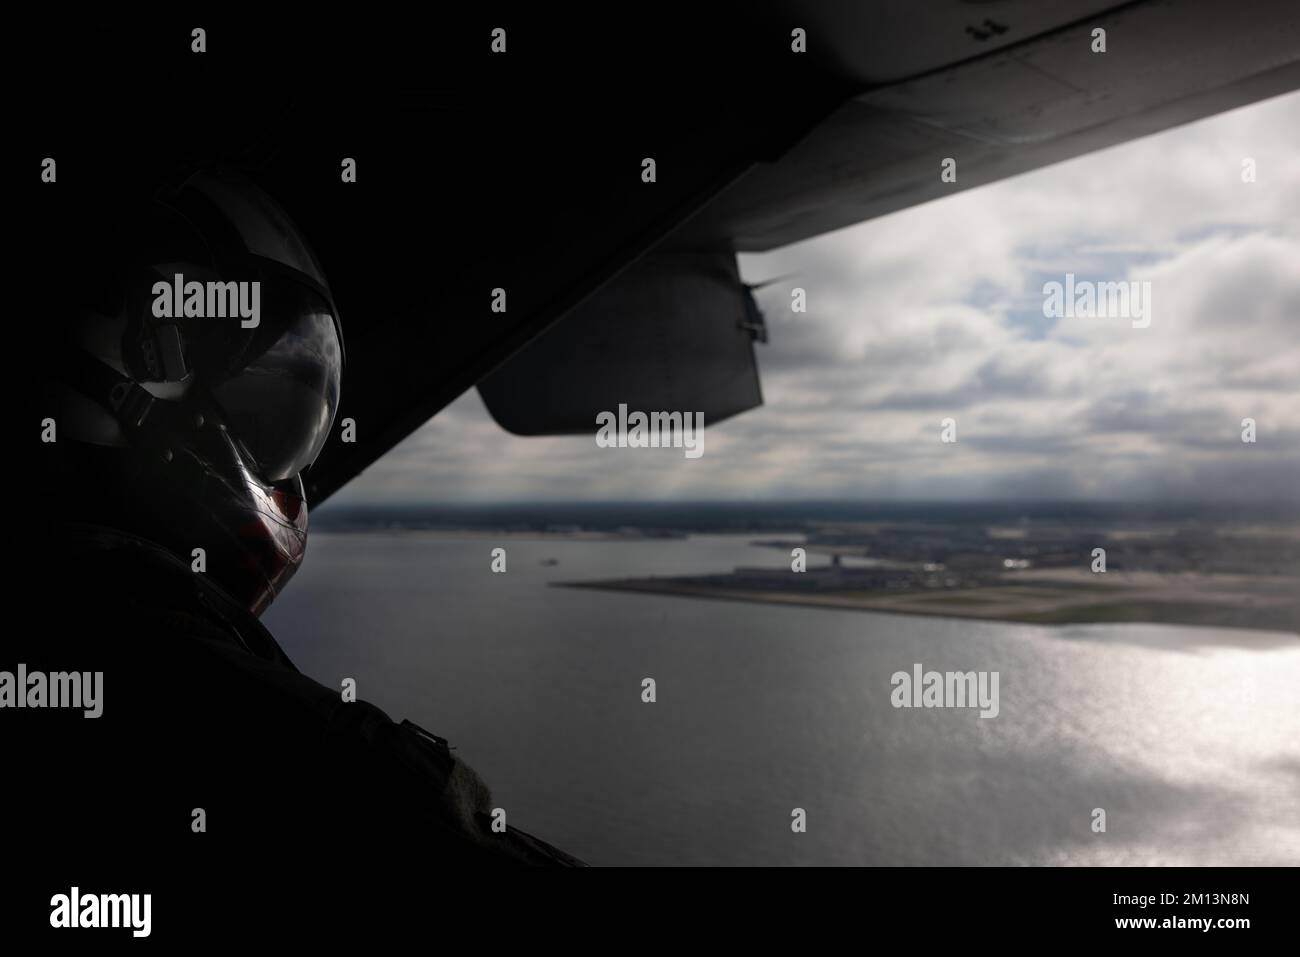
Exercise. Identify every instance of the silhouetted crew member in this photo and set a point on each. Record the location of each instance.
(168, 513)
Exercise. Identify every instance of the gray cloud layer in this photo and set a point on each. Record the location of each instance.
(936, 311)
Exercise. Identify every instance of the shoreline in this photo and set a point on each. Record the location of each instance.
(997, 604)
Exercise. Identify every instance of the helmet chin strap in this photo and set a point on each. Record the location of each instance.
(145, 419)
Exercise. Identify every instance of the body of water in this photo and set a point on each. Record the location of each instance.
(1188, 738)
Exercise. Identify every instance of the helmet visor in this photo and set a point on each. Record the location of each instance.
(280, 404)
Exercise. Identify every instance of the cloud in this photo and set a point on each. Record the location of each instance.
(936, 311)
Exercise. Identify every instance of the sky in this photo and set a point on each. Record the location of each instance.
(936, 312)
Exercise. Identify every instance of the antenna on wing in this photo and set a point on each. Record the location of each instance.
(769, 282)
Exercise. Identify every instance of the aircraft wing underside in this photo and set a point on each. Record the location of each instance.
(524, 171)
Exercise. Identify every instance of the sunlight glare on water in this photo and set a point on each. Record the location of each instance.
(1188, 738)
